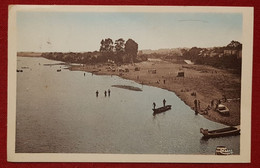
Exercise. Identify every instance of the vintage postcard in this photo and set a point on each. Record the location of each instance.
(129, 84)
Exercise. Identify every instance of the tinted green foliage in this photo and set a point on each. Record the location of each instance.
(228, 57)
(119, 52)
(131, 49)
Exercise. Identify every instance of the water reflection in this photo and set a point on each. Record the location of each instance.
(156, 113)
(204, 140)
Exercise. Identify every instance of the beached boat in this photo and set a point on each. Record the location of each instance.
(161, 109)
(228, 131)
(223, 110)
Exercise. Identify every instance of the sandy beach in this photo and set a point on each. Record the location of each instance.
(200, 82)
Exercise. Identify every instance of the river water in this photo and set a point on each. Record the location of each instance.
(58, 112)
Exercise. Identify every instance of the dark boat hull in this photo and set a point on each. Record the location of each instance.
(162, 109)
(229, 131)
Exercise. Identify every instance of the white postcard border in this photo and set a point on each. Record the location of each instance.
(246, 90)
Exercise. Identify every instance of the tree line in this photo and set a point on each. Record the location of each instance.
(119, 52)
(227, 57)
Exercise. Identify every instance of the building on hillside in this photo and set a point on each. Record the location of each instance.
(233, 48)
(236, 52)
(189, 62)
(213, 53)
(230, 52)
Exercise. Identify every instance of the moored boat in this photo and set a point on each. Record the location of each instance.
(161, 109)
(228, 131)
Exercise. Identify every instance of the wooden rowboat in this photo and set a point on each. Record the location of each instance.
(161, 109)
(228, 131)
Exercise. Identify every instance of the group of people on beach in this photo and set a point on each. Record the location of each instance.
(214, 104)
(105, 93)
(158, 82)
(164, 101)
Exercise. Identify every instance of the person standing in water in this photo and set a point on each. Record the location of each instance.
(154, 105)
(97, 93)
(164, 101)
(105, 93)
(109, 92)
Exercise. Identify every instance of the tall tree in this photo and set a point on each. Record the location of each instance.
(119, 49)
(131, 49)
(106, 45)
(106, 48)
(120, 45)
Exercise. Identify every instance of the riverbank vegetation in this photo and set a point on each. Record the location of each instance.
(118, 52)
(227, 57)
(125, 52)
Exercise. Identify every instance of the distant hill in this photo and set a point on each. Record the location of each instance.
(29, 54)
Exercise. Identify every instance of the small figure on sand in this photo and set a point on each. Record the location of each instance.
(84, 74)
(216, 107)
(196, 105)
(154, 105)
(97, 93)
(212, 103)
(224, 98)
(105, 93)
(164, 101)
(109, 92)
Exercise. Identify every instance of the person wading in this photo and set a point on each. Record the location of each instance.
(97, 93)
(154, 105)
(109, 92)
(164, 101)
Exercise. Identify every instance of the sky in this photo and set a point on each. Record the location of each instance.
(83, 31)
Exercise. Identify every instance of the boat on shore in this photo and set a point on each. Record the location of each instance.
(228, 131)
(223, 110)
(161, 109)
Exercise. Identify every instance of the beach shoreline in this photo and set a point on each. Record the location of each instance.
(200, 82)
